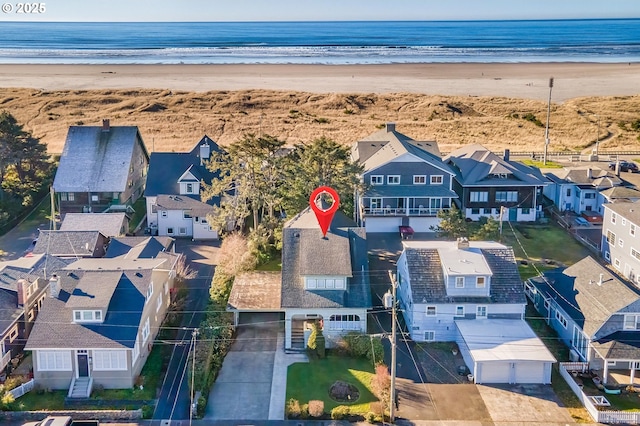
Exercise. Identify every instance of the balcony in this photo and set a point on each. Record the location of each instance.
(399, 211)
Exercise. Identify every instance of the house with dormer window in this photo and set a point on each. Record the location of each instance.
(407, 182)
(492, 186)
(471, 293)
(173, 189)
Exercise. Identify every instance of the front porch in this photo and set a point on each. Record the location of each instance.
(404, 206)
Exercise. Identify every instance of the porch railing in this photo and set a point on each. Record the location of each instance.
(5, 360)
(399, 211)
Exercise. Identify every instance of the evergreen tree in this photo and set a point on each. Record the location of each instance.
(452, 224)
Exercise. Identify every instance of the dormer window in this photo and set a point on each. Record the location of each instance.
(87, 316)
(189, 188)
(500, 175)
(459, 282)
(480, 282)
(328, 283)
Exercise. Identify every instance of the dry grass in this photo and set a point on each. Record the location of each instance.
(175, 121)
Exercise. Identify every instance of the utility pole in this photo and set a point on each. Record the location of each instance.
(194, 334)
(597, 134)
(390, 302)
(546, 132)
(53, 208)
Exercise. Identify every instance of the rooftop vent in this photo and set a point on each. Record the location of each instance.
(106, 125)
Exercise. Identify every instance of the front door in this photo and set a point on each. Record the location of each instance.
(83, 364)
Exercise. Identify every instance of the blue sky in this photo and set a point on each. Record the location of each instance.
(322, 10)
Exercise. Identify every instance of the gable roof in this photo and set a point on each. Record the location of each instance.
(166, 169)
(256, 290)
(387, 144)
(342, 253)
(621, 194)
(94, 160)
(630, 211)
(428, 280)
(576, 290)
(587, 176)
(476, 165)
(183, 202)
(108, 224)
(139, 247)
(68, 243)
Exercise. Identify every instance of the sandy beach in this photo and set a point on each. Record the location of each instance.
(521, 80)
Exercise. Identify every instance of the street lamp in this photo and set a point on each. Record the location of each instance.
(389, 301)
(546, 132)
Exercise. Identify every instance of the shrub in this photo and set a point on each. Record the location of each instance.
(234, 255)
(316, 408)
(532, 118)
(316, 342)
(221, 287)
(293, 409)
(370, 417)
(304, 411)
(200, 408)
(340, 412)
(147, 411)
(359, 345)
(381, 385)
(377, 408)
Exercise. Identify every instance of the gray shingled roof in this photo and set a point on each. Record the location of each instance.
(95, 160)
(623, 345)
(9, 276)
(630, 211)
(577, 291)
(427, 277)
(256, 290)
(302, 241)
(67, 243)
(139, 247)
(476, 165)
(94, 290)
(109, 224)
(55, 328)
(165, 168)
(586, 176)
(182, 202)
(621, 193)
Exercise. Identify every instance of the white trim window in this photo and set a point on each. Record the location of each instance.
(393, 180)
(377, 180)
(616, 263)
(635, 253)
(506, 196)
(632, 229)
(163, 213)
(478, 196)
(13, 334)
(481, 311)
(613, 217)
(87, 316)
(344, 322)
(611, 238)
(146, 330)
(419, 179)
(561, 319)
(459, 282)
(109, 360)
(459, 311)
(620, 242)
(149, 291)
(436, 179)
(429, 336)
(159, 303)
(54, 360)
(481, 282)
(632, 322)
(431, 311)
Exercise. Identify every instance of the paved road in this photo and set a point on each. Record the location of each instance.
(174, 400)
(14, 243)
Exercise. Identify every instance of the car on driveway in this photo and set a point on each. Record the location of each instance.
(625, 166)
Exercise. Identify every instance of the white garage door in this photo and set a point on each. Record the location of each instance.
(529, 372)
(494, 372)
(383, 224)
(423, 224)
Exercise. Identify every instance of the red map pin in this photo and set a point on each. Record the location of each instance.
(319, 202)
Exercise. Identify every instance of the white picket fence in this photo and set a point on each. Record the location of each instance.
(605, 416)
(22, 389)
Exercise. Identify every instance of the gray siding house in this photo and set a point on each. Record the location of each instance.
(621, 238)
(407, 182)
(102, 169)
(595, 314)
(471, 293)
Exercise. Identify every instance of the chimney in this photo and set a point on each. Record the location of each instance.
(391, 127)
(462, 243)
(506, 155)
(22, 297)
(106, 125)
(205, 152)
(589, 173)
(54, 286)
(600, 280)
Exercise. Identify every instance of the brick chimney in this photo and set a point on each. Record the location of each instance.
(462, 243)
(106, 125)
(54, 286)
(391, 127)
(21, 288)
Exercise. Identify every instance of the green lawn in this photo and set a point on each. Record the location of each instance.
(540, 164)
(312, 380)
(140, 210)
(33, 401)
(272, 265)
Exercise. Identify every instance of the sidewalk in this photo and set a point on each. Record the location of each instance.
(281, 363)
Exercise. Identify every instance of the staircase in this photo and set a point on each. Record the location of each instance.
(80, 387)
(297, 335)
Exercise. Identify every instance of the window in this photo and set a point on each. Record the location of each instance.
(54, 360)
(166, 287)
(344, 322)
(429, 336)
(459, 311)
(158, 304)
(481, 312)
(632, 229)
(189, 188)
(561, 319)
(393, 180)
(635, 253)
(507, 196)
(163, 213)
(182, 230)
(486, 211)
(436, 179)
(632, 322)
(149, 291)
(186, 215)
(589, 196)
(109, 360)
(115, 196)
(480, 282)
(478, 196)
(459, 282)
(169, 231)
(568, 192)
(325, 283)
(475, 211)
(375, 203)
(377, 180)
(526, 210)
(13, 333)
(63, 196)
(145, 331)
(546, 304)
(613, 217)
(94, 198)
(87, 316)
(71, 196)
(607, 256)
(431, 311)
(620, 242)
(611, 238)
(419, 179)
(616, 263)
(32, 314)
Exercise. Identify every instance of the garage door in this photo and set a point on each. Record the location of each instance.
(530, 372)
(423, 224)
(494, 372)
(383, 224)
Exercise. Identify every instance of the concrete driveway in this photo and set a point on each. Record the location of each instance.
(242, 390)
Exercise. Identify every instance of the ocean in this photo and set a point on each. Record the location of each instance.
(603, 41)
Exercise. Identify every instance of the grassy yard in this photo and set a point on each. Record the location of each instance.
(312, 380)
(540, 164)
(272, 265)
(33, 401)
(140, 210)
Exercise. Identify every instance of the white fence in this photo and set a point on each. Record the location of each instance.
(22, 389)
(613, 417)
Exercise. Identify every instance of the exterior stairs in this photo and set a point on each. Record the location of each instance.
(297, 338)
(80, 387)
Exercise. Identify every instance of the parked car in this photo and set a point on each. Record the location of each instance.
(625, 166)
